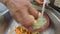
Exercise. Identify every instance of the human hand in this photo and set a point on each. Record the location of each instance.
(21, 11)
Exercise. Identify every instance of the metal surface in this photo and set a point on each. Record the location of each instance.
(4, 18)
(50, 30)
(10, 30)
(55, 17)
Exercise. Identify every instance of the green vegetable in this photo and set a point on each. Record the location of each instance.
(41, 21)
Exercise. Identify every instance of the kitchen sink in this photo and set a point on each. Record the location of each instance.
(53, 28)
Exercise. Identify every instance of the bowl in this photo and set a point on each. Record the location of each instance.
(43, 27)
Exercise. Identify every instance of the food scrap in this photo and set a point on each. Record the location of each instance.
(23, 30)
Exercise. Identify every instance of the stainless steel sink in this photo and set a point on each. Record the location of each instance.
(53, 29)
(55, 18)
(5, 18)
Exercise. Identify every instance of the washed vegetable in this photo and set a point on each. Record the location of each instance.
(41, 21)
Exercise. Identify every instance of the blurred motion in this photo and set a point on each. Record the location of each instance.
(10, 26)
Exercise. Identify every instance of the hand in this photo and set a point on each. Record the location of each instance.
(21, 11)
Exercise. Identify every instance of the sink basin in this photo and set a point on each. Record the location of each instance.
(49, 30)
(53, 29)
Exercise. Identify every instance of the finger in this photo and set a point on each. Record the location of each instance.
(22, 16)
(39, 1)
(33, 11)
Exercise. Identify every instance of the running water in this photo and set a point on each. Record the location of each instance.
(43, 8)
